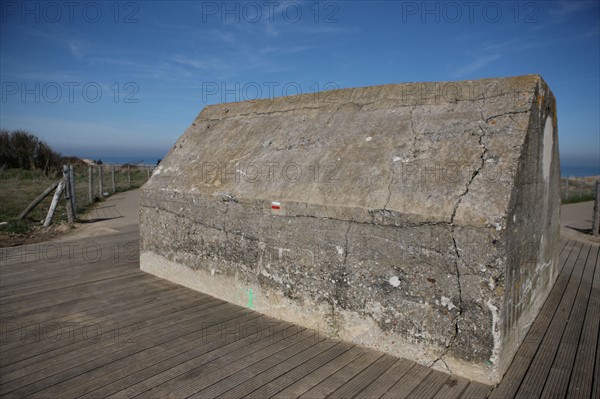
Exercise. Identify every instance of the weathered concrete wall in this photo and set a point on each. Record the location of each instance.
(420, 219)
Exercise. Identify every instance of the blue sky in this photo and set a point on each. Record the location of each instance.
(99, 78)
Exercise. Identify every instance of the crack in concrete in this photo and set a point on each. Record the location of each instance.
(346, 243)
(340, 104)
(449, 370)
(334, 324)
(361, 105)
(412, 130)
(393, 170)
(503, 114)
(371, 211)
(454, 337)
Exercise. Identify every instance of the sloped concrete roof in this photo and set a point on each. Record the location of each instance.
(420, 152)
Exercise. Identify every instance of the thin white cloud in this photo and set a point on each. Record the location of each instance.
(476, 65)
(499, 46)
(591, 33)
(563, 8)
(562, 12)
(204, 64)
(79, 48)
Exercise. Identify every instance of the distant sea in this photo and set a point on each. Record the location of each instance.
(135, 159)
(565, 171)
(571, 171)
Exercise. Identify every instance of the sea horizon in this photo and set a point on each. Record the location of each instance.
(152, 159)
(579, 171)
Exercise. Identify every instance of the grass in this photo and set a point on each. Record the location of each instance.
(580, 190)
(578, 198)
(20, 187)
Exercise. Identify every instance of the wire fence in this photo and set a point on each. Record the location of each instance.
(577, 189)
(22, 188)
(92, 182)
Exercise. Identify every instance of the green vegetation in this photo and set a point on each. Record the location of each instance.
(20, 187)
(576, 198)
(28, 166)
(21, 149)
(579, 189)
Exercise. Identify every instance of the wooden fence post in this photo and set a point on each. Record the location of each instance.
(101, 193)
(596, 219)
(567, 189)
(129, 174)
(39, 199)
(148, 173)
(90, 184)
(112, 173)
(54, 203)
(67, 179)
(73, 190)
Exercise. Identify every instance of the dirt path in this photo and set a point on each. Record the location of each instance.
(576, 221)
(117, 214)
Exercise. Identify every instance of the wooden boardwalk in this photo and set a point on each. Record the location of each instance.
(81, 320)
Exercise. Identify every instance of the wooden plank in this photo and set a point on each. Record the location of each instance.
(39, 279)
(89, 304)
(26, 351)
(95, 269)
(194, 365)
(174, 304)
(186, 357)
(583, 375)
(45, 288)
(52, 288)
(345, 374)
(84, 309)
(513, 377)
(249, 380)
(212, 374)
(104, 353)
(316, 376)
(22, 309)
(537, 374)
(284, 380)
(596, 379)
(39, 262)
(359, 383)
(71, 256)
(452, 388)
(17, 309)
(560, 372)
(153, 330)
(100, 314)
(429, 387)
(54, 255)
(476, 390)
(95, 383)
(408, 382)
(387, 379)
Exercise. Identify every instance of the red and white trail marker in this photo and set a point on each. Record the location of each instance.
(275, 205)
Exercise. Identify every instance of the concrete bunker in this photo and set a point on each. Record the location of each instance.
(420, 219)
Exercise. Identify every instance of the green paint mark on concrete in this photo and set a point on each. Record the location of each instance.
(250, 296)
